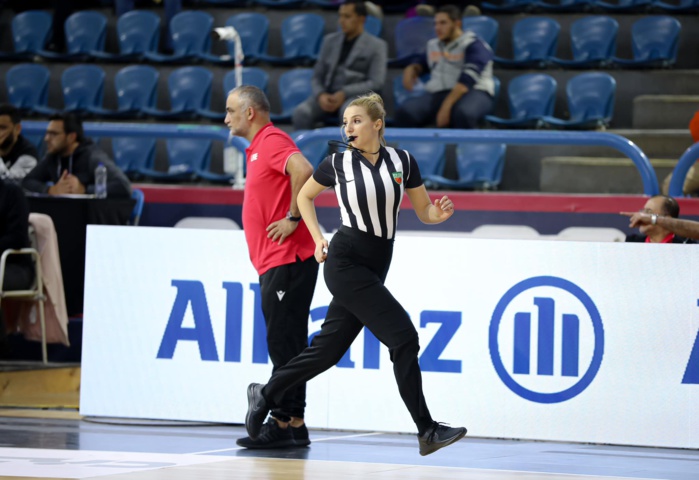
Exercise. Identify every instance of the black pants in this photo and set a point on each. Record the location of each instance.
(286, 293)
(355, 271)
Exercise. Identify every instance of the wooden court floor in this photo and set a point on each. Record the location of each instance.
(59, 444)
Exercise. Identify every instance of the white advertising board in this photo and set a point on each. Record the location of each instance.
(568, 341)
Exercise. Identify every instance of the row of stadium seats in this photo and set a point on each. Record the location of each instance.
(531, 97)
(534, 39)
(520, 6)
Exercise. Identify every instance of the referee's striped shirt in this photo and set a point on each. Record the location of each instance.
(370, 195)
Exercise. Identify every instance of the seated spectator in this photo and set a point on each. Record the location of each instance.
(658, 223)
(691, 181)
(70, 162)
(351, 62)
(18, 156)
(460, 90)
(14, 228)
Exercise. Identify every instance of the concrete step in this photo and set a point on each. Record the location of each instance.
(664, 111)
(596, 175)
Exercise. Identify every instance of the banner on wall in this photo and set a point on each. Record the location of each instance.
(566, 341)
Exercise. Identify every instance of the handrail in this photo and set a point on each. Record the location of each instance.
(679, 173)
(158, 130)
(513, 137)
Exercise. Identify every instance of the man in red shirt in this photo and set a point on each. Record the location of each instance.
(658, 222)
(281, 250)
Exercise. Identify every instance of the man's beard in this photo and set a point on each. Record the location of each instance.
(9, 141)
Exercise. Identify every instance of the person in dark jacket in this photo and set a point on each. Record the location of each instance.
(18, 156)
(70, 162)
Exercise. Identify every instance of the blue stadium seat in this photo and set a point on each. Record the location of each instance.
(185, 157)
(429, 157)
(314, 151)
(138, 32)
(590, 101)
(294, 87)
(136, 88)
(135, 217)
(28, 88)
(508, 6)
(684, 6)
(534, 42)
(479, 165)
(86, 32)
(279, 3)
(251, 76)
(593, 42)
(83, 88)
(205, 172)
(655, 41)
(622, 6)
(191, 37)
(373, 25)
(131, 154)
(30, 32)
(189, 89)
(530, 97)
(225, 3)
(302, 35)
(563, 5)
(485, 27)
(253, 29)
(410, 38)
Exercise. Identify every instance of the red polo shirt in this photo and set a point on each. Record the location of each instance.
(268, 198)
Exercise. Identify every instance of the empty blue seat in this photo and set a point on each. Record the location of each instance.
(189, 89)
(28, 88)
(410, 38)
(563, 5)
(530, 97)
(485, 27)
(684, 6)
(185, 157)
(136, 89)
(30, 32)
(622, 5)
(655, 40)
(302, 35)
(590, 101)
(253, 29)
(279, 3)
(138, 32)
(373, 25)
(86, 32)
(250, 76)
(508, 6)
(429, 157)
(190, 32)
(131, 154)
(294, 87)
(83, 88)
(593, 42)
(534, 42)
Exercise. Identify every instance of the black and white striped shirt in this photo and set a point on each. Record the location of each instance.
(370, 195)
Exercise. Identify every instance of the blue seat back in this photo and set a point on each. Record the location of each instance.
(655, 37)
(135, 216)
(30, 30)
(428, 155)
(251, 76)
(27, 85)
(485, 27)
(531, 95)
(136, 87)
(294, 87)
(191, 32)
(253, 29)
(190, 88)
(373, 25)
(187, 155)
(86, 31)
(591, 96)
(132, 153)
(535, 38)
(138, 32)
(480, 163)
(83, 87)
(594, 38)
(411, 36)
(302, 34)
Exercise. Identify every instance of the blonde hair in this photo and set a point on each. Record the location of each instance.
(373, 104)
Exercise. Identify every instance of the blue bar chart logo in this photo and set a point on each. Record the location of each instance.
(546, 339)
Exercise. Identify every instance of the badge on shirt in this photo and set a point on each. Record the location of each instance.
(398, 177)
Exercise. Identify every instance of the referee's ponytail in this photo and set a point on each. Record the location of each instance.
(373, 104)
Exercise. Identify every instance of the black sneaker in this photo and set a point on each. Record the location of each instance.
(300, 435)
(439, 436)
(257, 410)
(271, 436)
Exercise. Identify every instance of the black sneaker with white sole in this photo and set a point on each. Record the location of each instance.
(257, 410)
(439, 436)
(300, 434)
(271, 436)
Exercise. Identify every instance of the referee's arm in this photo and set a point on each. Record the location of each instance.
(426, 211)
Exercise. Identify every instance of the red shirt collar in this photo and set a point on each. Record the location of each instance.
(667, 239)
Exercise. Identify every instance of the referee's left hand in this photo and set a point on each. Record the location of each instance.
(281, 229)
(444, 208)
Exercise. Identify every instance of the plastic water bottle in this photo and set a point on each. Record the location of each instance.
(101, 181)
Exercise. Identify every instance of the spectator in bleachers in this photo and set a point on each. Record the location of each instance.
(70, 163)
(691, 181)
(460, 90)
(351, 62)
(658, 223)
(18, 156)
